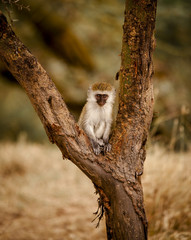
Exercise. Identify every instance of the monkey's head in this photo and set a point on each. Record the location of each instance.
(101, 93)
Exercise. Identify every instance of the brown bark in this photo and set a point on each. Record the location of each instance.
(115, 175)
(134, 114)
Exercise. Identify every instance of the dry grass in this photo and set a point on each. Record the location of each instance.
(43, 197)
(167, 188)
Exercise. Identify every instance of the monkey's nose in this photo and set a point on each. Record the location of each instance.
(101, 103)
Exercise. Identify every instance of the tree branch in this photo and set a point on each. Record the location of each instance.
(47, 101)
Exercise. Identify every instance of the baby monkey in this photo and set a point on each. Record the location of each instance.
(97, 115)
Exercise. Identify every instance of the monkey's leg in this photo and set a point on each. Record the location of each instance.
(89, 129)
(99, 131)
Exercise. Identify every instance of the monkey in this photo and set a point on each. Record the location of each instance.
(97, 116)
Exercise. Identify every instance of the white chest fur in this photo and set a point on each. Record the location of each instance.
(97, 114)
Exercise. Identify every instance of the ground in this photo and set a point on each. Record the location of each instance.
(43, 197)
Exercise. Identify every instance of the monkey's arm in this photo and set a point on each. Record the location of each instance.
(107, 132)
(89, 129)
(107, 146)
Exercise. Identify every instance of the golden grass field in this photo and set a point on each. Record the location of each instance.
(43, 197)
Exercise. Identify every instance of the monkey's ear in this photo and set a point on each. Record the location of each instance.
(89, 89)
(89, 92)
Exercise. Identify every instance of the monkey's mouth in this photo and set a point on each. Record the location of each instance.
(101, 104)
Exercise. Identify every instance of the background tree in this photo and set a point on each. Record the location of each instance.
(116, 175)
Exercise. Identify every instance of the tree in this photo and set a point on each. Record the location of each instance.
(116, 175)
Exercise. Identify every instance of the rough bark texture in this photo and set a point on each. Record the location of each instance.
(134, 116)
(115, 175)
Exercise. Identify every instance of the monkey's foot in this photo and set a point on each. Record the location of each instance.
(97, 151)
(96, 147)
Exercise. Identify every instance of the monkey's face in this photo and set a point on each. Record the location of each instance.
(101, 99)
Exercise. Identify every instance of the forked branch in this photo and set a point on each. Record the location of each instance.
(115, 175)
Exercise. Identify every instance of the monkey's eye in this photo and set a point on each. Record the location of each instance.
(98, 95)
(105, 96)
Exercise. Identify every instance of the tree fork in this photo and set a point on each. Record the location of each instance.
(117, 174)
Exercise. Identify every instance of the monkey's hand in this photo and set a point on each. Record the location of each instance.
(107, 146)
(96, 147)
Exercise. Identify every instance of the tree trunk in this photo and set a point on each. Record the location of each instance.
(133, 120)
(116, 175)
(122, 221)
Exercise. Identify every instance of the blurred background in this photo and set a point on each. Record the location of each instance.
(78, 43)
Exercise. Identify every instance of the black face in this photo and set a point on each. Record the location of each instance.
(101, 99)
